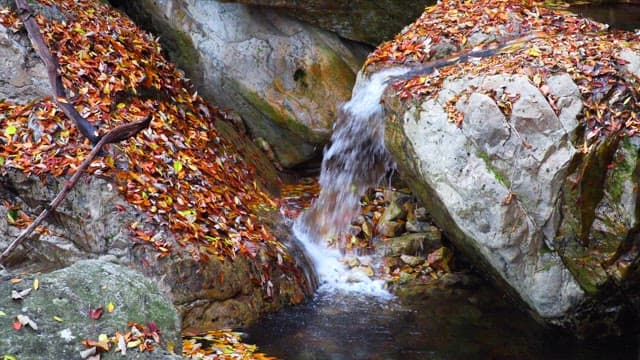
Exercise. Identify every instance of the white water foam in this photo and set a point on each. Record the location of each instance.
(355, 161)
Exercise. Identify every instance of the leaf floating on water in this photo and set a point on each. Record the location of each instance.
(36, 284)
(110, 307)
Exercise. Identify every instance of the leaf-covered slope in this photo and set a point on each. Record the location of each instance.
(200, 198)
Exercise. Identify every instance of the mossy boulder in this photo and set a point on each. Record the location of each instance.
(60, 309)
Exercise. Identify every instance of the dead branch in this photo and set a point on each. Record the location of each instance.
(118, 134)
(51, 62)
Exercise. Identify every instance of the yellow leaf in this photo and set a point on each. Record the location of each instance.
(10, 130)
(110, 307)
(177, 166)
(58, 319)
(36, 284)
(534, 52)
(132, 344)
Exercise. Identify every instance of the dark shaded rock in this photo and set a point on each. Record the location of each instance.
(368, 21)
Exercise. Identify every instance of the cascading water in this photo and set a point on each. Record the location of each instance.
(355, 161)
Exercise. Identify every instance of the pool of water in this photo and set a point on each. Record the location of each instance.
(619, 16)
(472, 322)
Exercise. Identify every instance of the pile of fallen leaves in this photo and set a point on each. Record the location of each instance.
(220, 344)
(139, 337)
(563, 43)
(179, 171)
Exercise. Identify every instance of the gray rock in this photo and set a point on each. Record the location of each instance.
(68, 294)
(390, 228)
(408, 244)
(412, 260)
(418, 226)
(542, 242)
(393, 212)
(285, 78)
(23, 77)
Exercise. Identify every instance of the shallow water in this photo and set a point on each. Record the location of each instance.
(454, 323)
(618, 16)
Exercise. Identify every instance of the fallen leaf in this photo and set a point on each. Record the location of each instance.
(19, 295)
(58, 319)
(95, 314)
(110, 307)
(15, 280)
(88, 352)
(25, 320)
(36, 284)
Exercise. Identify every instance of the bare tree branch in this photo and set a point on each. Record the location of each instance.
(51, 62)
(118, 134)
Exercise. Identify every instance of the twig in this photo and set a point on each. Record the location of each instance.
(51, 62)
(118, 134)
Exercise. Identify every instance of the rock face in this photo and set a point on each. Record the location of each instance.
(60, 309)
(24, 77)
(505, 188)
(368, 21)
(285, 78)
(485, 161)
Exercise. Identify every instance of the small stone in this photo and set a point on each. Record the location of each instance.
(367, 228)
(359, 220)
(390, 228)
(440, 259)
(420, 214)
(352, 262)
(405, 277)
(393, 212)
(409, 244)
(412, 260)
(417, 226)
(368, 270)
(354, 230)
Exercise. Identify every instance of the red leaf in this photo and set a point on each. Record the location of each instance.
(95, 314)
(17, 325)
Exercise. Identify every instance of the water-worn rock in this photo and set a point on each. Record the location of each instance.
(285, 78)
(60, 310)
(409, 244)
(369, 21)
(516, 194)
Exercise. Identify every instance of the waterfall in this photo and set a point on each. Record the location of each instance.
(355, 161)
